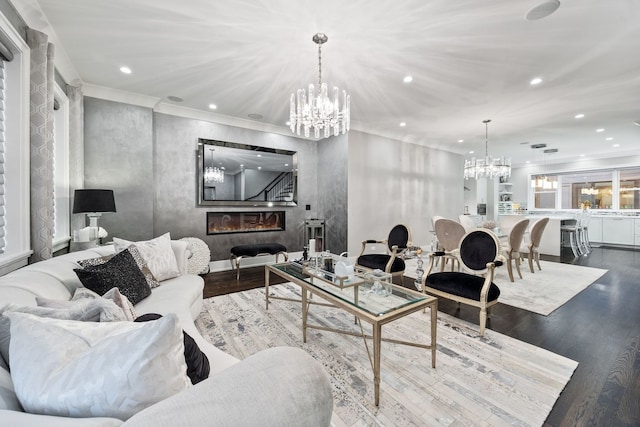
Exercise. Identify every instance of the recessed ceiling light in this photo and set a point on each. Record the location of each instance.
(600, 130)
(125, 70)
(288, 123)
(536, 81)
(616, 145)
(581, 155)
(461, 140)
(542, 10)
(213, 106)
(471, 152)
(579, 116)
(528, 161)
(259, 155)
(407, 79)
(403, 124)
(610, 139)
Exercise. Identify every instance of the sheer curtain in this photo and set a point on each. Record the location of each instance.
(41, 119)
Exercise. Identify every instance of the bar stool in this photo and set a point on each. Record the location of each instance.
(570, 227)
(583, 232)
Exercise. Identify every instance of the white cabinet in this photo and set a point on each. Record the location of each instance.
(595, 230)
(637, 233)
(618, 231)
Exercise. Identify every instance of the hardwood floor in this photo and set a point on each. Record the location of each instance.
(599, 328)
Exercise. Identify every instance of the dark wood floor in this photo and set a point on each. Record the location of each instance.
(599, 328)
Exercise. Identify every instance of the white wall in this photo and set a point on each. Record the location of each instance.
(392, 182)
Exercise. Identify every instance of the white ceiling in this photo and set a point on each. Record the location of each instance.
(470, 60)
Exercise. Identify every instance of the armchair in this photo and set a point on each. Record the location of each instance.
(385, 254)
(478, 257)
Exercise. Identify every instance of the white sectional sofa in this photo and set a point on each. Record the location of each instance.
(277, 387)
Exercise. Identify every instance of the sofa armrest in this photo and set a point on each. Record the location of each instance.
(281, 386)
(182, 255)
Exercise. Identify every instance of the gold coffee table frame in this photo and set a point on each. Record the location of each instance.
(325, 288)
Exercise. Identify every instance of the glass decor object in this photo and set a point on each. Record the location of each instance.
(315, 109)
(380, 283)
(487, 167)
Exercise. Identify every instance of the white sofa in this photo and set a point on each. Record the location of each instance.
(282, 386)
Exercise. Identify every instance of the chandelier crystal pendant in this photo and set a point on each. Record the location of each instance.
(213, 174)
(315, 109)
(487, 167)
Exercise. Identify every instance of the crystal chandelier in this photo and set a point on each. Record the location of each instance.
(488, 167)
(318, 111)
(213, 174)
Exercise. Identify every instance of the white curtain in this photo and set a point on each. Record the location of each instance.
(41, 129)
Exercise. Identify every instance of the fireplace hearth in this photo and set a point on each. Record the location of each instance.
(245, 222)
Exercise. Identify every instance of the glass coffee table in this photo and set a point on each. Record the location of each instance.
(361, 295)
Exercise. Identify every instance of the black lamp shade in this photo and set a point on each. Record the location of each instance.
(93, 201)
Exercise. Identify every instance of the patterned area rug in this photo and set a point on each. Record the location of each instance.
(491, 381)
(541, 292)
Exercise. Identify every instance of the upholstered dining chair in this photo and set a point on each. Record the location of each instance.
(467, 222)
(449, 234)
(384, 254)
(531, 248)
(478, 256)
(511, 251)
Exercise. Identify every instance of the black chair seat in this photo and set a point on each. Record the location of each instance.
(379, 261)
(461, 284)
(258, 248)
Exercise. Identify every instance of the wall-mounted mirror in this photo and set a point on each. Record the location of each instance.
(232, 174)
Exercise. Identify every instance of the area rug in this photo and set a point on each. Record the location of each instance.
(541, 292)
(493, 380)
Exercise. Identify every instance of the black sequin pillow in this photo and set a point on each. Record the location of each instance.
(142, 265)
(122, 272)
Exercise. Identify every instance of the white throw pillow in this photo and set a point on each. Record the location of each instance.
(78, 369)
(158, 254)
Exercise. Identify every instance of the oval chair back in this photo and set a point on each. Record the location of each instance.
(400, 236)
(478, 248)
(536, 231)
(517, 233)
(449, 233)
(467, 222)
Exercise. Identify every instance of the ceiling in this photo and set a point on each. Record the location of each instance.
(470, 60)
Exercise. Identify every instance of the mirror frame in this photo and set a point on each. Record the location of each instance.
(202, 142)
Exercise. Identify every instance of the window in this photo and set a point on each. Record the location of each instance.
(15, 170)
(593, 190)
(545, 191)
(630, 189)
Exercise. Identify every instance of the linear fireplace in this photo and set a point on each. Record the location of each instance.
(245, 222)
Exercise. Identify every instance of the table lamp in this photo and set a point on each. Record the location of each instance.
(93, 203)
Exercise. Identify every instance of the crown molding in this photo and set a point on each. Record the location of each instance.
(110, 94)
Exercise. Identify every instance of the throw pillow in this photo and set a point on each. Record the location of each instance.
(157, 253)
(79, 369)
(112, 294)
(120, 272)
(142, 264)
(98, 310)
(197, 362)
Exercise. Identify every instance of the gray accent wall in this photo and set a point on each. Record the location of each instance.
(361, 184)
(149, 160)
(119, 155)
